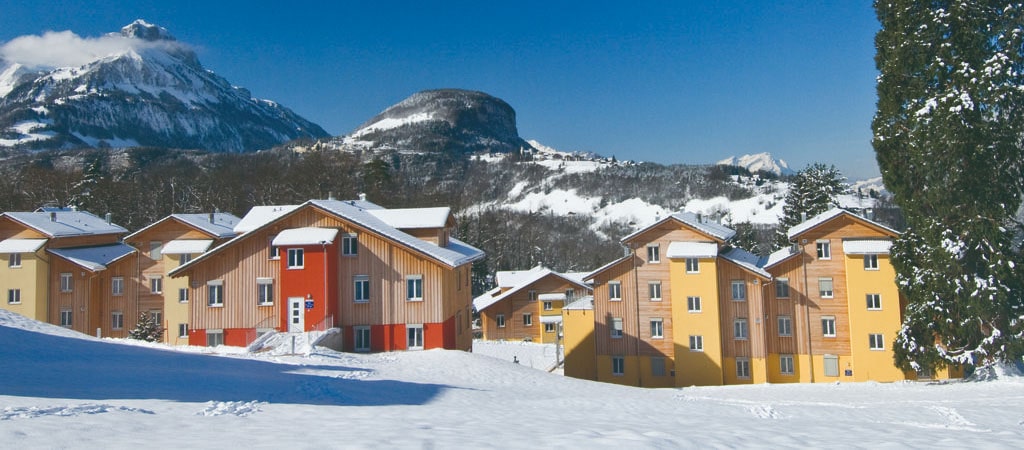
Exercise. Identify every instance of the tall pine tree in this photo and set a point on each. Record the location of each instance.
(812, 191)
(948, 137)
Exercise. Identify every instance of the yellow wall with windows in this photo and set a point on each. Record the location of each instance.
(774, 369)
(175, 312)
(876, 365)
(549, 337)
(629, 377)
(696, 368)
(578, 342)
(31, 278)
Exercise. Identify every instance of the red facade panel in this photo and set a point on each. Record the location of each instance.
(197, 337)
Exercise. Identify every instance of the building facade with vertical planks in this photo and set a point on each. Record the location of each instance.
(527, 305)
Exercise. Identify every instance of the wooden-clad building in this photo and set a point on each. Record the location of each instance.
(527, 305)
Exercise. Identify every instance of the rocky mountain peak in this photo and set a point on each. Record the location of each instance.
(140, 29)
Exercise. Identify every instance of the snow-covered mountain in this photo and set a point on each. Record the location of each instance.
(444, 120)
(138, 87)
(759, 161)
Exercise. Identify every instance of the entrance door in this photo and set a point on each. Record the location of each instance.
(296, 315)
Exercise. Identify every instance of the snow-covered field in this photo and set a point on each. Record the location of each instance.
(61, 390)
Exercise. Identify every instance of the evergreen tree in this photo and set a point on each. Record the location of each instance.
(146, 329)
(948, 138)
(812, 191)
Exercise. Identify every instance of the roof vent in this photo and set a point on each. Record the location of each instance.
(53, 216)
(362, 196)
(109, 217)
(330, 195)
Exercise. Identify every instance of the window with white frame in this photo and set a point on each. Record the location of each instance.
(157, 316)
(874, 301)
(653, 254)
(215, 293)
(264, 291)
(14, 260)
(156, 284)
(618, 365)
(614, 291)
(414, 337)
(693, 304)
(67, 282)
(362, 338)
(549, 306)
(692, 265)
(274, 251)
(786, 364)
(825, 287)
(870, 262)
(785, 326)
(117, 286)
(739, 329)
(499, 320)
(414, 288)
(782, 288)
(349, 245)
(824, 249)
(296, 258)
(742, 368)
(739, 290)
(696, 343)
(654, 290)
(616, 327)
(184, 258)
(828, 326)
(531, 295)
(361, 288)
(527, 319)
(658, 366)
(182, 295)
(155, 249)
(657, 328)
(14, 296)
(66, 318)
(831, 365)
(875, 342)
(183, 330)
(549, 327)
(116, 320)
(570, 295)
(214, 338)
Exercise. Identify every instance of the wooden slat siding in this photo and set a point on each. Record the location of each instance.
(793, 306)
(10, 229)
(604, 310)
(125, 303)
(515, 305)
(83, 241)
(431, 235)
(751, 309)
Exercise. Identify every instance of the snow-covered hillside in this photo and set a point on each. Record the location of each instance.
(66, 391)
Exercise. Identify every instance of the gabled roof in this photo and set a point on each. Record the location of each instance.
(94, 258)
(826, 216)
(749, 261)
(711, 229)
(64, 223)
(261, 215)
(511, 278)
(588, 278)
(525, 280)
(412, 218)
(222, 226)
(779, 256)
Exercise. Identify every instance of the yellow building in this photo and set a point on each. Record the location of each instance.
(580, 359)
(527, 304)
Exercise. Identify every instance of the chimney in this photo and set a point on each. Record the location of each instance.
(362, 196)
(108, 217)
(330, 195)
(211, 217)
(698, 218)
(803, 216)
(53, 216)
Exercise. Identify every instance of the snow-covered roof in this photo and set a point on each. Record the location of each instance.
(779, 256)
(20, 245)
(819, 219)
(523, 280)
(261, 215)
(511, 278)
(710, 228)
(692, 250)
(747, 261)
(305, 236)
(589, 278)
(866, 246)
(94, 258)
(186, 246)
(63, 223)
(222, 226)
(551, 297)
(551, 319)
(410, 218)
(576, 276)
(582, 304)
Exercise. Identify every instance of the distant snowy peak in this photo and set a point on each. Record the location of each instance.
(140, 29)
(759, 161)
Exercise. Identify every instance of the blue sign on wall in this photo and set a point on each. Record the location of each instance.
(309, 304)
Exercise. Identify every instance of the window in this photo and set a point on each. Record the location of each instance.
(693, 304)
(184, 258)
(782, 288)
(618, 365)
(824, 249)
(500, 320)
(155, 249)
(117, 286)
(653, 254)
(183, 330)
(116, 320)
(696, 343)
(548, 306)
(296, 258)
(692, 265)
(831, 365)
(654, 290)
(739, 290)
(362, 337)
(531, 295)
(14, 296)
(570, 295)
(657, 329)
(214, 338)
(67, 283)
(828, 326)
(742, 368)
(614, 291)
(616, 327)
(66, 318)
(157, 317)
(215, 293)
(414, 287)
(156, 284)
(825, 287)
(657, 366)
(527, 319)
(414, 337)
(870, 262)
(15, 260)
(264, 291)
(275, 252)
(349, 245)
(875, 342)
(786, 364)
(785, 326)
(874, 301)
(739, 329)
(182, 295)
(361, 286)
(549, 328)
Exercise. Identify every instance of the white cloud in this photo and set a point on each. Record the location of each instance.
(67, 49)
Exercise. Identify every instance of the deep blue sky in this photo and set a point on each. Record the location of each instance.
(670, 82)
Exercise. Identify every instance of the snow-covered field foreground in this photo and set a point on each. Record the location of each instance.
(59, 389)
